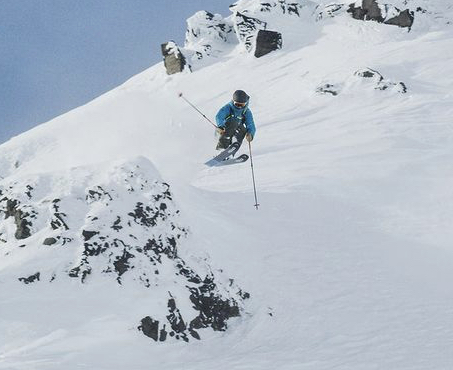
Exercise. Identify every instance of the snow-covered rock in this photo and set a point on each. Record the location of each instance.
(348, 259)
(365, 79)
(247, 28)
(121, 222)
(208, 35)
(281, 16)
(378, 82)
(272, 7)
(382, 13)
(328, 88)
(324, 11)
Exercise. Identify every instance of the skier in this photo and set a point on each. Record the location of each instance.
(235, 120)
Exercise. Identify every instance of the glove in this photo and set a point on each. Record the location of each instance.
(249, 137)
(220, 130)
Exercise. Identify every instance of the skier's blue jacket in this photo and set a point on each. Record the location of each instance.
(230, 111)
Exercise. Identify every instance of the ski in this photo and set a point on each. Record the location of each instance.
(228, 152)
(241, 159)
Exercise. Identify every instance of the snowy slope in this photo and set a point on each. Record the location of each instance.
(348, 260)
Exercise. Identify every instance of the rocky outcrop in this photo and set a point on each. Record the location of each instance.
(251, 19)
(266, 42)
(22, 216)
(208, 35)
(30, 279)
(49, 241)
(382, 13)
(120, 225)
(174, 60)
(247, 29)
(403, 19)
(213, 312)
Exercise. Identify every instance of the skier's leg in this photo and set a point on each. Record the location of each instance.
(225, 138)
(240, 133)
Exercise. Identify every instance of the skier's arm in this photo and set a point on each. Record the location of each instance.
(250, 123)
(221, 116)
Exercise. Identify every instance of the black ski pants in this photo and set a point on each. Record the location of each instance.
(233, 128)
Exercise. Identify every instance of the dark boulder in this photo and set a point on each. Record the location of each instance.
(266, 42)
(404, 19)
(87, 235)
(368, 11)
(21, 219)
(122, 264)
(30, 279)
(174, 60)
(49, 241)
(150, 328)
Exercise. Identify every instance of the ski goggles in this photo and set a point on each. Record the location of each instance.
(239, 105)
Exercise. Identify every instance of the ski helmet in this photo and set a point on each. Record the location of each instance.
(240, 96)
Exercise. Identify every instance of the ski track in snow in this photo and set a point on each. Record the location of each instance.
(349, 258)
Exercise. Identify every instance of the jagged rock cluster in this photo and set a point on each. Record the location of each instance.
(120, 222)
(372, 80)
(253, 25)
(207, 34)
(259, 27)
(401, 13)
(382, 13)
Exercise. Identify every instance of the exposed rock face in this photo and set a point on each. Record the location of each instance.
(382, 13)
(370, 10)
(120, 222)
(150, 328)
(22, 215)
(403, 19)
(174, 60)
(266, 42)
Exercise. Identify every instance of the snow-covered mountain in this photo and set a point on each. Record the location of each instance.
(121, 249)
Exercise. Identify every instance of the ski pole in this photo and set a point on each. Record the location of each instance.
(194, 107)
(253, 175)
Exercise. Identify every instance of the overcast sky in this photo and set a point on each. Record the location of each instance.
(56, 55)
